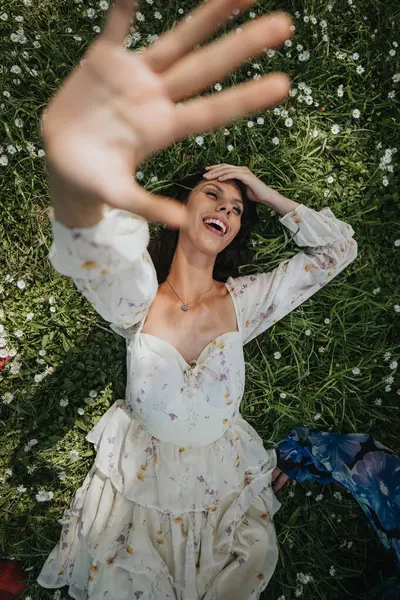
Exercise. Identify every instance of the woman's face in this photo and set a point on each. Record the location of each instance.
(220, 200)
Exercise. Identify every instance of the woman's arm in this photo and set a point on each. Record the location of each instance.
(267, 297)
(108, 262)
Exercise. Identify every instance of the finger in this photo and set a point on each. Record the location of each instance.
(281, 482)
(211, 112)
(218, 173)
(224, 165)
(203, 67)
(230, 175)
(128, 195)
(275, 473)
(275, 485)
(119, 21)
(220, 169)
(177, 42)
(275, 478)
(225, 176)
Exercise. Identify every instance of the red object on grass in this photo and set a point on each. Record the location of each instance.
(3, 361)
(11, 574)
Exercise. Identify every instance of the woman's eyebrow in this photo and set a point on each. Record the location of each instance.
(221, 191)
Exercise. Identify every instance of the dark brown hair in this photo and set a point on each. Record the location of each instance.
(162, 246)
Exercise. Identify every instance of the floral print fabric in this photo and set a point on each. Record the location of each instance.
(366, 468)
(178, 502)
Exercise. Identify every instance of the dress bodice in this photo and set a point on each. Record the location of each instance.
(190, 404)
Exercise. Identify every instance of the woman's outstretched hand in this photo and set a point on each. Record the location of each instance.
(119, 106)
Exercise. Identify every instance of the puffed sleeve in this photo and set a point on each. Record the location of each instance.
(109, 264)
(265, 298)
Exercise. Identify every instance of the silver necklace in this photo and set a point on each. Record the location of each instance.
(185, 307)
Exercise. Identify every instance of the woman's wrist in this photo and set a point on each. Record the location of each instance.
(70, 206)
(279, 203)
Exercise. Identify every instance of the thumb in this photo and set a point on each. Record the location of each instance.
(154, 208)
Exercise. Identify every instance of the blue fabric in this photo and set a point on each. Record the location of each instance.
(361, 464)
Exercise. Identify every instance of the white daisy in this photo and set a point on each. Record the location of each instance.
(74, 455)
(43, 496)
(7, 398)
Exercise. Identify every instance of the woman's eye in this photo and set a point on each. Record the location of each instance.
(239, 212)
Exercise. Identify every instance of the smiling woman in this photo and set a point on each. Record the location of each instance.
(229, 257)
(180, 499)
(181, 494)
(162, 247)
(219, 222)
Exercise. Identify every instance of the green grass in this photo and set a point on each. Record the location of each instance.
(338, 351)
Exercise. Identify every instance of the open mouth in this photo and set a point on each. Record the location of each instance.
(214, 228)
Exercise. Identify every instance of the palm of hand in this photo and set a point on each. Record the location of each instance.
(125, 107)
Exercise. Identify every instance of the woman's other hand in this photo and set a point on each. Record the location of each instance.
(279, 479)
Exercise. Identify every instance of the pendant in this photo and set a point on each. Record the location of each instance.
(184, 307)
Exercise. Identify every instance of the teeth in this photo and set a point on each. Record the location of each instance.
(218, 222)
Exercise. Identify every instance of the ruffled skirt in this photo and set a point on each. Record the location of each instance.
(156, 521)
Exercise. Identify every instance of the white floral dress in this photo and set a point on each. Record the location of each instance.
(178, 503)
